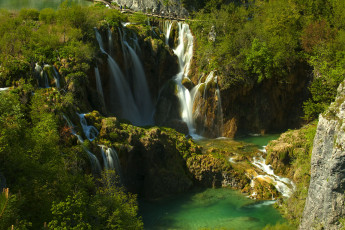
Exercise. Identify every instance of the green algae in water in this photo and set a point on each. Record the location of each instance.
(208, 209)
(38, 4)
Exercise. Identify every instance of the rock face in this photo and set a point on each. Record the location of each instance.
(270, 106)
(171, 7)
(325, 202)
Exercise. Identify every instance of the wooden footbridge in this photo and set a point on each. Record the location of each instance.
(129, 11)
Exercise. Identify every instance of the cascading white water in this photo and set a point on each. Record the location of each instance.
(95, 165)
(129, 109)
(284, 185)
(167, 31)
(111, 160)
(90, 131)
(99, 83)
(141, 90)
(184, 52)
(57, 78)
(128, 106)
(42, 76)
(99, 40)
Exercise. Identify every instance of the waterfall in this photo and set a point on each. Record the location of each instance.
(284, 185)
(99, 40)
(57, 78)
(219, 109)
(128, 106)
(90, 131)
(99, 83)
(141, 90)
(95, 165)
(184, 52)
(41, 76)
(111, 160)
(110, 41)
(202, 110)
(129, 109)
(167, 31)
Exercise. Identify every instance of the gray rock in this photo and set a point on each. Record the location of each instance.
(170, 7)
(325, 202)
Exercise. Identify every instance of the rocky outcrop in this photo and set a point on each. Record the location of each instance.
(162, 7)
(325, 203)
(209, 171)
(153, 160)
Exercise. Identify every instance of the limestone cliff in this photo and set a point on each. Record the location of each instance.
(325, 202)
(170, 7)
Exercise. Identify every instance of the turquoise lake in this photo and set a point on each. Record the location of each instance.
(211, 208)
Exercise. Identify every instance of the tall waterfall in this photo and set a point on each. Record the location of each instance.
(141, 90)
(99, 83)
(193, 102)
(132, 98)
(184, 52)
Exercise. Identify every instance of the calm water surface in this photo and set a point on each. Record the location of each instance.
(211, 208)
(37, 4)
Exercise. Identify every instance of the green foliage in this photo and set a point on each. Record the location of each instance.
(70, 214)
(47, 16)
(138, 18)
(109, 208)
(269, 40)
(259, 60)
(29, 14)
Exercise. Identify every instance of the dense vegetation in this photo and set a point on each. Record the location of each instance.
(48, 173)
(263, 39)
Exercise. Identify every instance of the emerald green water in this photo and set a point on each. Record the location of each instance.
(209, 209)
(260, 141)
(212, 208)
(37, 4)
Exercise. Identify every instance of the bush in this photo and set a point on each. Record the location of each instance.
(48, 16)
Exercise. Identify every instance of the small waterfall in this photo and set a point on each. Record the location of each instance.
(57, 78)
(141, 90)
(284, 185)
(99, 83)
(95, 165)
(201, 109)
(167, 31)
(90, 131)
(99, 40)
(111, 160)
(110, 41)
(41, 76)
